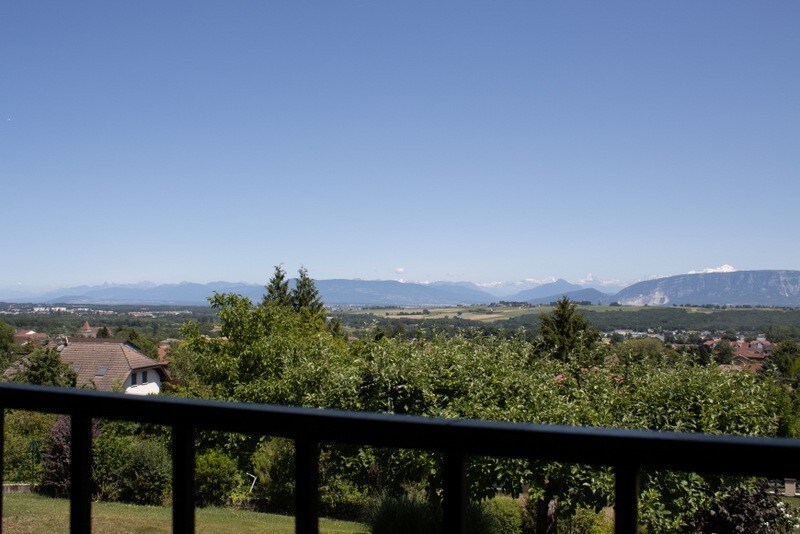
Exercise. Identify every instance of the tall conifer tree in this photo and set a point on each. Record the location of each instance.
(305, 294)
(278, 288)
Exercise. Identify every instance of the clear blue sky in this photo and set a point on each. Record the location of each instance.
(200, 141)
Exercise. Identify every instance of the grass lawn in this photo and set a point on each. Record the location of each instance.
(27, 513)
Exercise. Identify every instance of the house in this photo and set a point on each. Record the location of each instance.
(87, 331)
(752, 351)
(25, 336)
(113, 365)
(164, 349)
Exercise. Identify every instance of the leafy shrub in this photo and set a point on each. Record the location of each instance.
(216, 477)
(503, 515)
(273, 464)
(341, 499)
(57, 460)
(25, 440)
(145, 474)
(109, 456)
(587, 521)
(413, 513)
(748, 510)
(404, 514)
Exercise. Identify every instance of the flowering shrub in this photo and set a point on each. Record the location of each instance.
(751, 511)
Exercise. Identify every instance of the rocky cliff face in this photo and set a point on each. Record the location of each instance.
(756, 288)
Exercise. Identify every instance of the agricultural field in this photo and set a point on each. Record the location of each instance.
(488, 314)
(472, 313)
(604, 318)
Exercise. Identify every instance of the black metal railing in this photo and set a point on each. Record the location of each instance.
(627, 451)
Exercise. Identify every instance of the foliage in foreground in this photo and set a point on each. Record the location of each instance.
(749, 510)
(283, 351)
(216, 478)
(412, 512)
(273, 353)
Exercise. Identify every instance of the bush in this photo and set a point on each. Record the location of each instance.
(109, 455)
(340, 499)
(405, 514)
(57, 460)
(587, 521)
(503, 515)
(748, 509)
(145, 474)
(412, 513)
(216, 477)
(273, 464)
(25, 441)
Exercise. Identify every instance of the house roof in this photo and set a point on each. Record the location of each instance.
(21, 336)
(750, 354)
(106, 363)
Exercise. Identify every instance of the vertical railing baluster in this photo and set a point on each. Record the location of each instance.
(455, 493)
(80, 500)
(626, 488)
(2, 460)
(182, 479)
(306, 514)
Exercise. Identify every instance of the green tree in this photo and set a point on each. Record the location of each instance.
(25, 435)
(723, 353)
(784, 359)
(272, 354)
(216, 478)
(305, 296)
(103, 332)
(646, 350)
(6, 337)
(566, 332)
(43, 367)
(278, 288)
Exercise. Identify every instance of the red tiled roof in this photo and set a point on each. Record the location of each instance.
(88, 357)
(23, 336)
(750, 354)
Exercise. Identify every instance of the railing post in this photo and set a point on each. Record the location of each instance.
(626, 488)
(2, 464)
(455, 493)
(80, 490)
(182, 479)
(306, 514)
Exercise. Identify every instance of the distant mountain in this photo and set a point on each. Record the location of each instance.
(468, 292)
(756, 288)
(185, 293)
(559, 287)
(592, 295)
(332, 292)
(505, 289)
(607, 288)
(393, 293)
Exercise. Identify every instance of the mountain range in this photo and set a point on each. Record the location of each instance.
(765, 288)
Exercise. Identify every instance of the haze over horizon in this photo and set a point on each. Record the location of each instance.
(587, 281)
(202, 141)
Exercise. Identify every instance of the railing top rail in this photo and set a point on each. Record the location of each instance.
(735, 455)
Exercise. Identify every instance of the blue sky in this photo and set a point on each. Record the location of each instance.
(482, 141)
